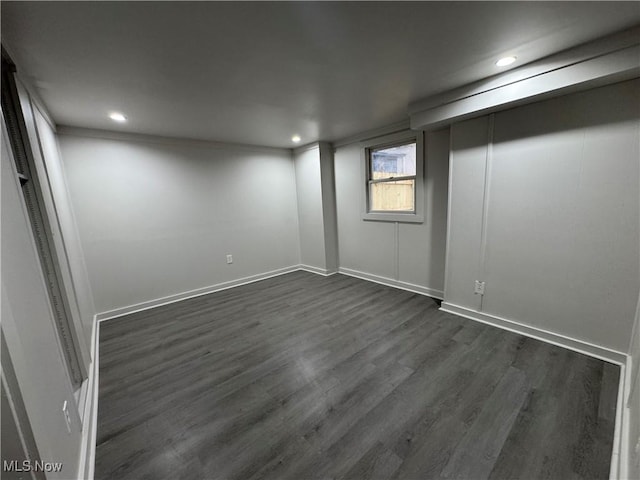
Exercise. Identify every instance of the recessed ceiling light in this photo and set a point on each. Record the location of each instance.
(117, 117)
(504, 61)
(296, 139)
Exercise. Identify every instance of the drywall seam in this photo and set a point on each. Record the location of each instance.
(449, 200)
(482, 270)
(396, 246)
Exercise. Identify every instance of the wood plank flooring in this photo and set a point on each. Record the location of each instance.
(308, 377)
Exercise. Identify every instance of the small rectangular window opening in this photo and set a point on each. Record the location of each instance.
(392, 178)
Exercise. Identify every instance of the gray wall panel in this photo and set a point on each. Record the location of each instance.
(562, 230)
(158, 219)
(411, 253)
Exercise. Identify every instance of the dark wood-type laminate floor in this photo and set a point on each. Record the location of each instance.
(306, 377)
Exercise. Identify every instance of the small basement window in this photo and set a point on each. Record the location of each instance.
(394, 178)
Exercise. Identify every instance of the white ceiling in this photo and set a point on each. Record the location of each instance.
(259, 72)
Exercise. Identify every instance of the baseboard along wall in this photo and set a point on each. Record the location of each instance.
(119, 312)
(621, 445)
(90, 416)
(320, 271)
(580, 346)
(86, 466)
(429, 292)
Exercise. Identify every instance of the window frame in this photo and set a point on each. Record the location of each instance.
(386, 141)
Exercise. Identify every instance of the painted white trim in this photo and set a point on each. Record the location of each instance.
(393, 217)
(618, 467)
(86, 465)
(580, 346)
(139, 307)
(389, 282)
(81, 397)
(318, 271)
(156, 139)
(417, 216)
(447, 251)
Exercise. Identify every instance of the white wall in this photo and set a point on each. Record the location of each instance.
(466, 189)
(309, 196)
(316, 207)
(329, 215)
(29, 329)
(557, 240)
(406, 253)
(157, 217)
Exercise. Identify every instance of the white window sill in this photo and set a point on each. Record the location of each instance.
(393, 217)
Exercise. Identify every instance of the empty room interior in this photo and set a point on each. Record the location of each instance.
(320, 240)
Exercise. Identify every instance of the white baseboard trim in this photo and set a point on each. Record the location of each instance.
(620, 450)
(319, 271)
(86, 467)
(139, 307)
(579, 346)
(389, 282)
(620, 433)
(87, 462)
(623, 444)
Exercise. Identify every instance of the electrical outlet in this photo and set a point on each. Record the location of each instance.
(229, 258)
(67, 417)
(479, 288)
